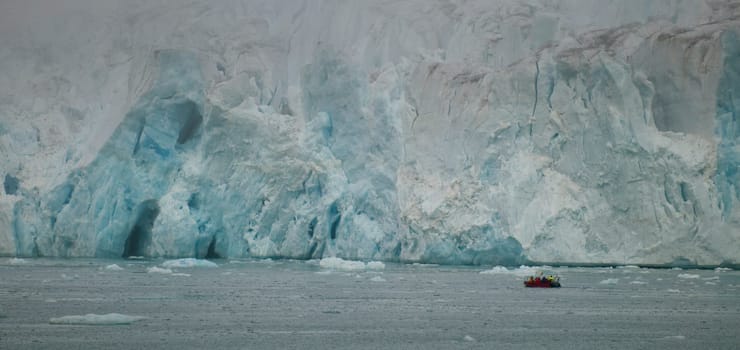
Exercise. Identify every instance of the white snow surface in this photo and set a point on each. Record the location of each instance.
(95, 319)
(453, 132)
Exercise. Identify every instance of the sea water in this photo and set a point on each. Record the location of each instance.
(266, 304)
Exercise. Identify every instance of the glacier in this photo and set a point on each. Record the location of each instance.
(449, 132)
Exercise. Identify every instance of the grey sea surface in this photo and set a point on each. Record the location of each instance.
(263, 304)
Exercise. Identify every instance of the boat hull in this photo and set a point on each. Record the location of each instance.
(541, 284)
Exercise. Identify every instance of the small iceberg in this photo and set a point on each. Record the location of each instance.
(521, 271)
(375, 265)
(96, 320)
(113, 267)
(155, 269)
(349, 265)
(16, 261)
(188, 262)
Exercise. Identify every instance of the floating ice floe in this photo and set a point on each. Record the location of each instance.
(188, 262)
(674, 337)
(349, 265)
(688, 276)
(93, 319)
(520, 271)
(114, 267)
(610, 281)
(17, 261)
(155, 269)
(378, 279)
(638, 282)
(496, 270)
(375, 265)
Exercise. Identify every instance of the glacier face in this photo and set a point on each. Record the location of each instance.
(455, 132)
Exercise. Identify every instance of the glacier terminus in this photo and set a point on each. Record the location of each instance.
(449, 132)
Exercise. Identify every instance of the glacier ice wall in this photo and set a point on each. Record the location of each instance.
(445, 132)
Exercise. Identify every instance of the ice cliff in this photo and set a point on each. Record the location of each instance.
(455, 132)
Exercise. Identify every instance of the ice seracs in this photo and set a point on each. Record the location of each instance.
(490, 133)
